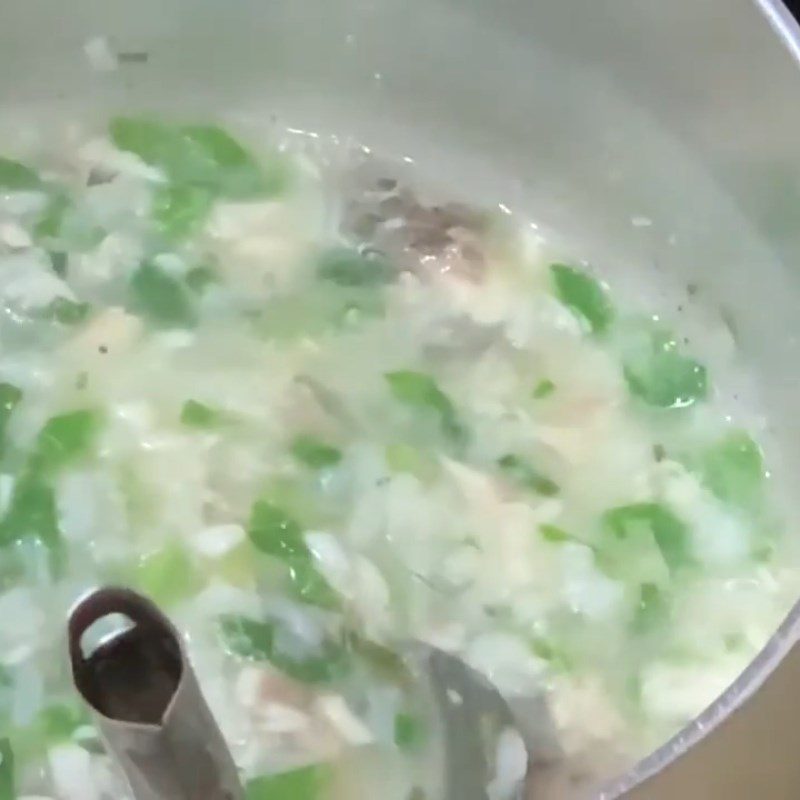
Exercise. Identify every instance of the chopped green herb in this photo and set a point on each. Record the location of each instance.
(309, 586)
(555, 535)
(59, 722)
(168, 575)
(199, 278)
(258, 641)
(735, 642)
(524, 474)
(670, 533)
(200, 156)
(418, 390)
(275, 532)
(10, 398)
(49, 225)
(180, 209)
(652, 609)
(8, 789)
(247, 638)
(557, 658)
(581, 293)
(67, 312)
(161, 298)
(66, 438)
(347, 267)
(762, 554)
(409, 731)
(384, 661)
(315, 453)
(543, 389)
(734, 469)
(59, 262)
(308, 783)
(32, 512)
(234, 172)
(154, 142)
(403, 457)
(16, 177)
(195, 414)
(662, 377)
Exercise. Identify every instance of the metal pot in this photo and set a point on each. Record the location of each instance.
(579, 114)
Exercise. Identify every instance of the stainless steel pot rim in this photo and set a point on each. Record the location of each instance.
(787, 29)
(744, 687)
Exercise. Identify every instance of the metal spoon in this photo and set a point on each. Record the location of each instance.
(147, 704)
(150, 712)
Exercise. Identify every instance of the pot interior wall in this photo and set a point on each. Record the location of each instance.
(579, 115)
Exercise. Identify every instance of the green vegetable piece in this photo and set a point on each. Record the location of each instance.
(247, 638)
(199, 156)
(734, 469)
(662, 377)
(8, 789)
(168, 575)
(382, 660)
(66, 311)
(161, 298)
(161, 146)
(735, 642)
(524, 474)
(66, 438)
(150, 140)
(347, 267)
(554, 535)
(236, 173)
(32, 512)
(16, 177)
(180, 209)
(558, 659)
(652, 609)
(670, 533)
(199, 278)
(59, 261)
(257, 641)
(308, 783)
(409, 732)
(10, 398)
(195, 414)
(315, 453)
(544, 389)
(59, 722)
(418, 390)
(309, 586)
(763, 554)
(581, 293)
(273, 531)
(49, 225)
(403, 457)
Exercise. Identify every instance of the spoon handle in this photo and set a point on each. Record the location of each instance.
(147, 704)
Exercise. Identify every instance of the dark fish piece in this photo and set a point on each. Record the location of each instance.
(391, 218)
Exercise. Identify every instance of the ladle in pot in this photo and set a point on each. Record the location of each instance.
(147, 704)
(148, 707)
